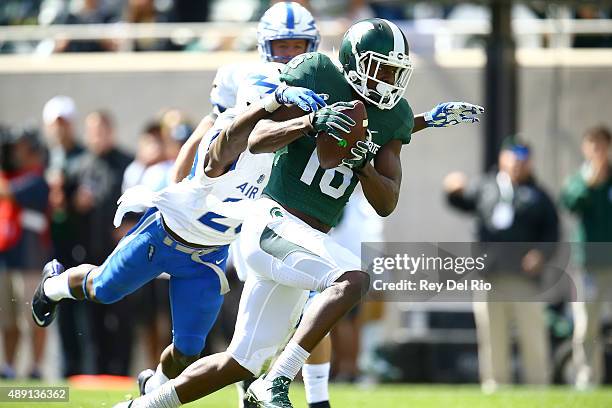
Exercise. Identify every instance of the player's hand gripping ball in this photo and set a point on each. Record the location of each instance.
(341, 131)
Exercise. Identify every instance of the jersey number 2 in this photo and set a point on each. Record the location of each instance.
(325, 185)
(209, 218)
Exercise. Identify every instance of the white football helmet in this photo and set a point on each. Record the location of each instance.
(286, 21)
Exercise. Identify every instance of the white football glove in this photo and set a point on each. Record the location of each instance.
(452, 113)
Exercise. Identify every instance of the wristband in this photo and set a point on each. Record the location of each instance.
(270, 104)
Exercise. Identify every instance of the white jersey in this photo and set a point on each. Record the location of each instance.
(230, 77)
(210, 211)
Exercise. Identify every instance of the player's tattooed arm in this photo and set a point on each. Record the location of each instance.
(184, 160)
(381, 181)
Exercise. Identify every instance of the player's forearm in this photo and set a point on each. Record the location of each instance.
(419, 123)
(381, 192)
(184, 161)
(270, 136)
(233, 140)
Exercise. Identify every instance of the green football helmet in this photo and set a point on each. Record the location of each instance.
(368, 45)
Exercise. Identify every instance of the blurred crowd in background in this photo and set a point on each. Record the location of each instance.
(58, 194)
(52, 12)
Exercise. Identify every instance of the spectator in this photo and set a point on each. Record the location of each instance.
(90, 12)
(99, 184)
(588, 194)
(175, 132)
(191, 11)
(18, 12)
(150, 151)
(591, 12)
(510, 207)
(24, 190)
(99, 188)
(65, 154)
(144, 11)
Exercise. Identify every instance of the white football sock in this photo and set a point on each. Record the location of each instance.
(289, 363)
(316, 382)
(157, 380)
(56, 288)
(163, 397)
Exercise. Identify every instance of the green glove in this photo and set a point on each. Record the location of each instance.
(332, 121)
(358, 158)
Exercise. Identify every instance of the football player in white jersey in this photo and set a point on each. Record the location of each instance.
(185, 233)
(285, 31)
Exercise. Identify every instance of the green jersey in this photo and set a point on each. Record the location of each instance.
(297, 180)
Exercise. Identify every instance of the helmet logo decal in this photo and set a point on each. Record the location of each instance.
(357, 31)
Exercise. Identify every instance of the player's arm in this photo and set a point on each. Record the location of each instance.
(184, 160)
(270, 136)
(419, 123)
(233, 139)
(381, 182)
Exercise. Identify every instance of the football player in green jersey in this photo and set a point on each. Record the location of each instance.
(284, 238)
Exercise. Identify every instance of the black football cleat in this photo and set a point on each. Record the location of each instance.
(43, 308)
(143, 377)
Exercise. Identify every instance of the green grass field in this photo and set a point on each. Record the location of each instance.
(409, 396)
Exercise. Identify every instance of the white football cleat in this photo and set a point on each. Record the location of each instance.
(270, 394)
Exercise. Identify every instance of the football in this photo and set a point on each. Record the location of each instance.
(331, 151)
